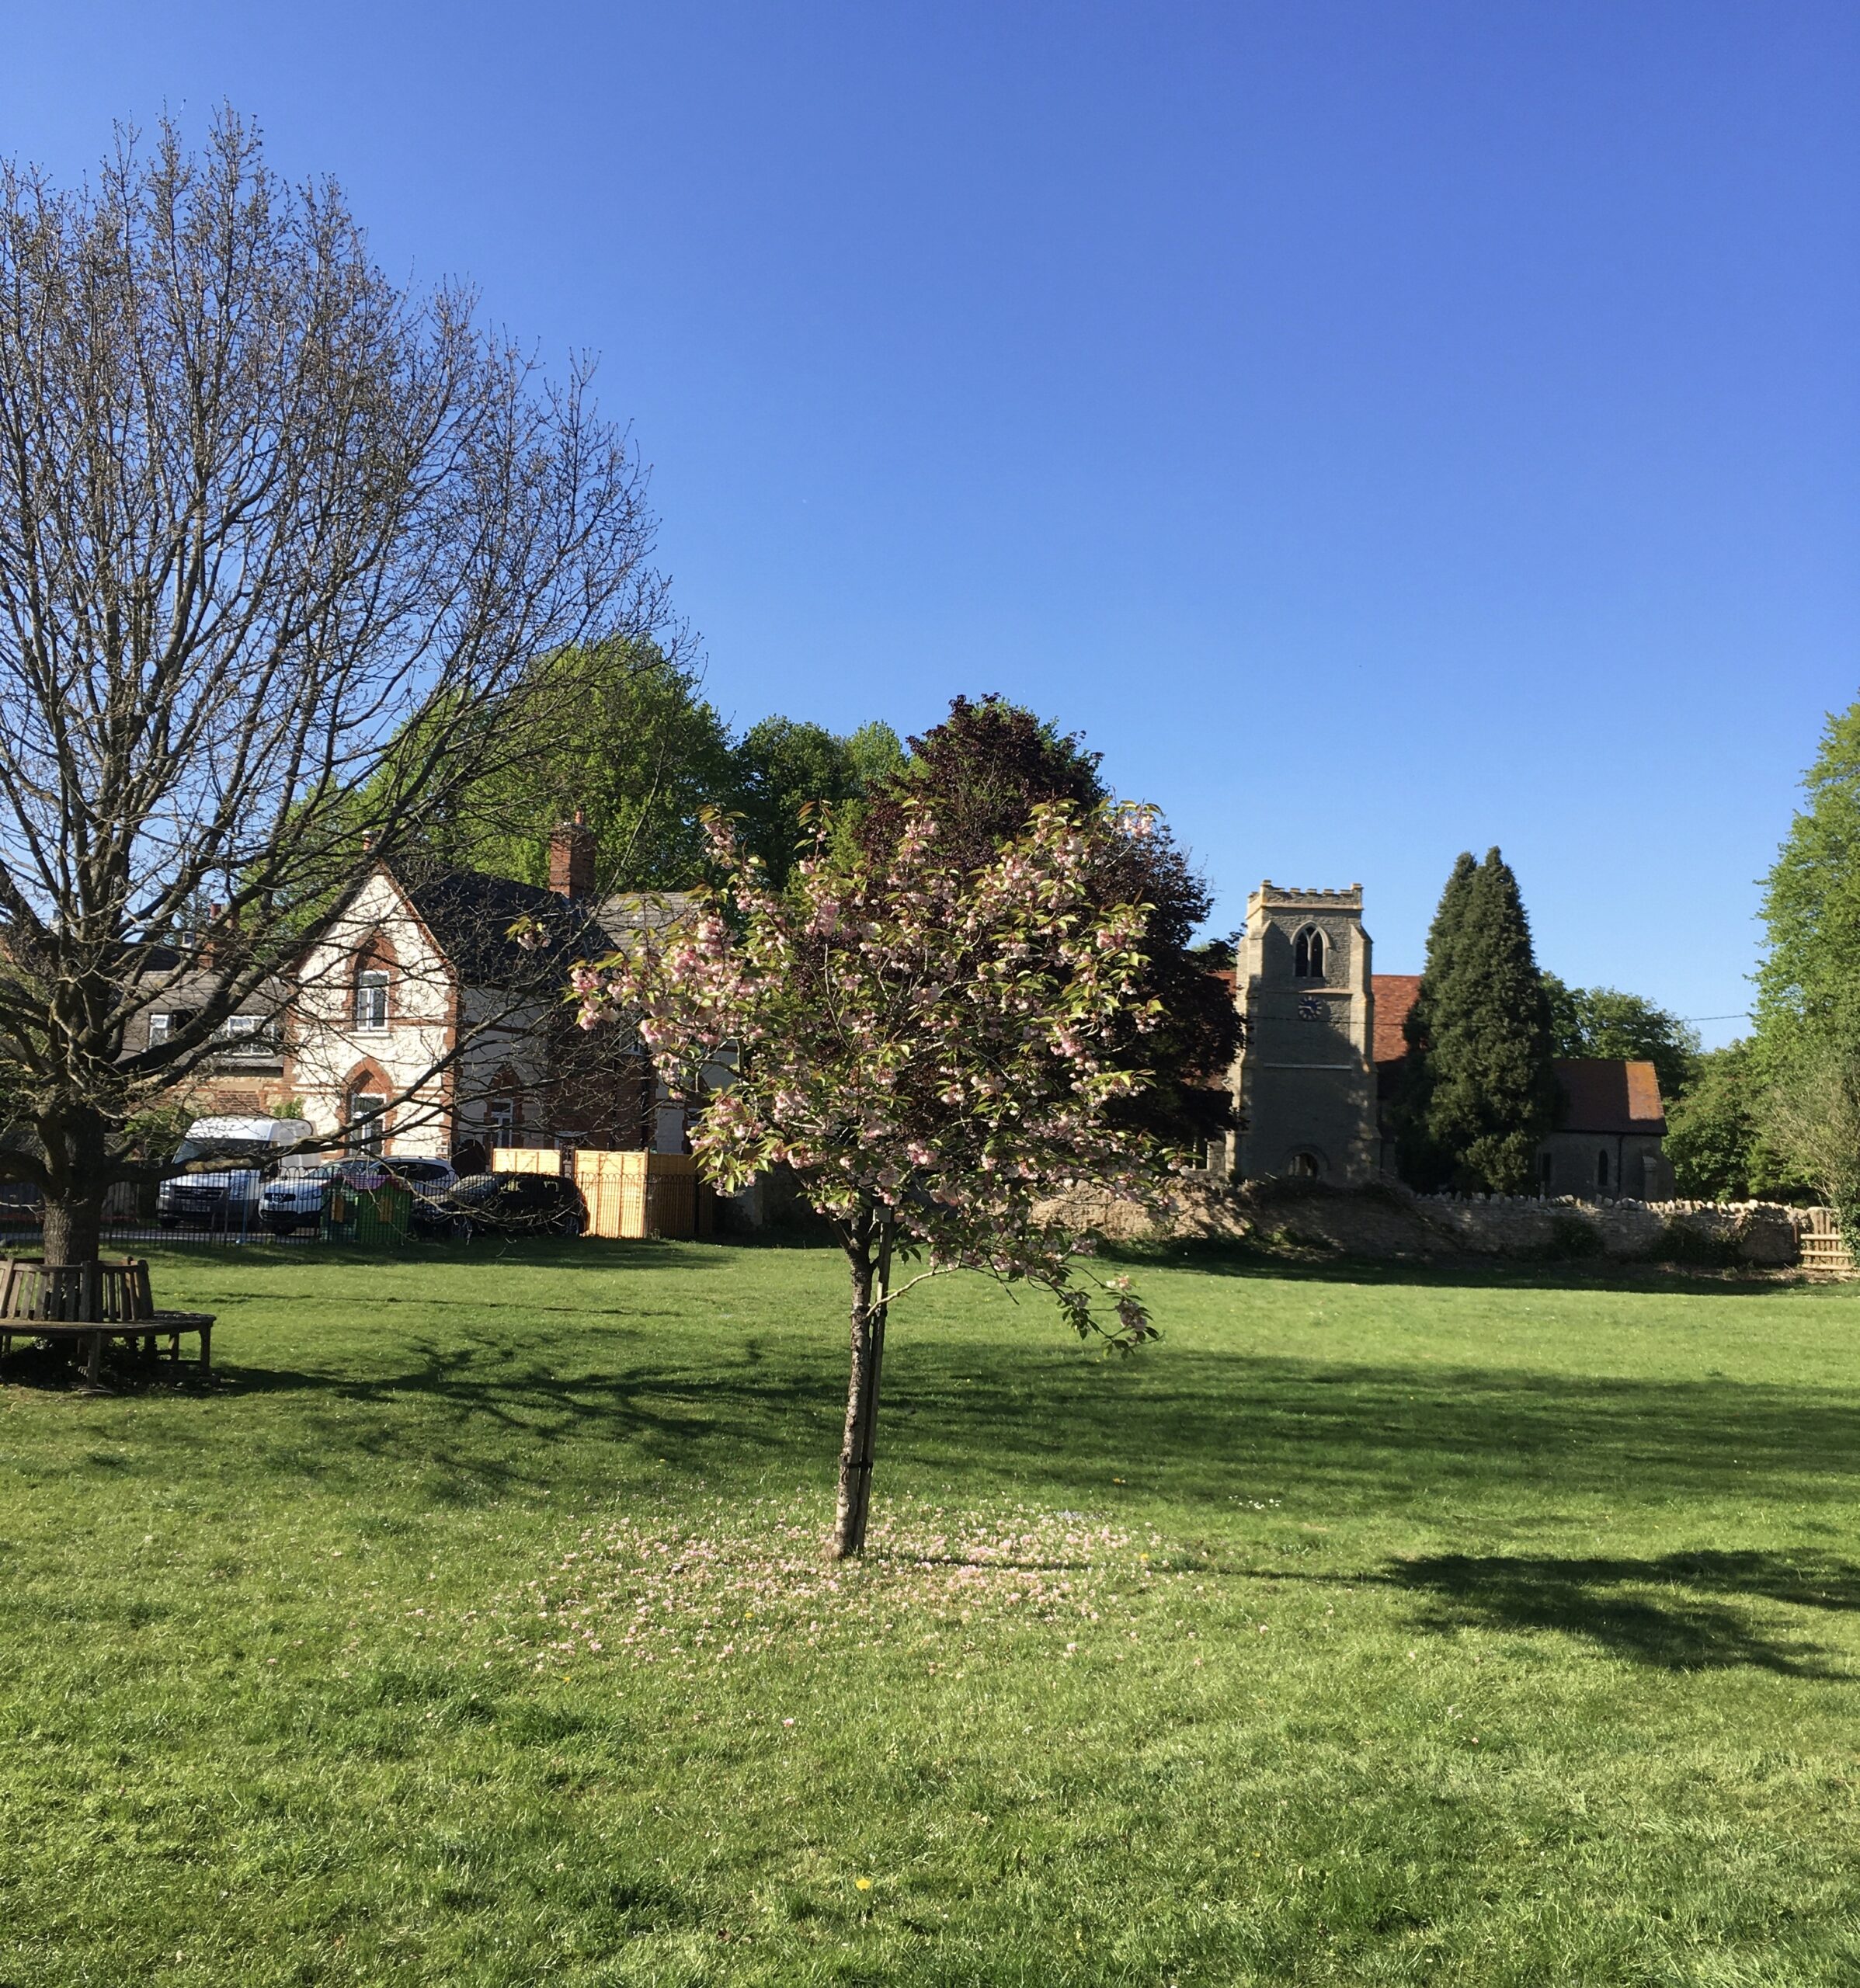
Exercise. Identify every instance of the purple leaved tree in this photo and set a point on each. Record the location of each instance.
(925, 1043)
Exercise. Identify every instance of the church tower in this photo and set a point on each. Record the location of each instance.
(1304, 1083)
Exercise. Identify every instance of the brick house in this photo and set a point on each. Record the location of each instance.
(244, 1077)
(430, 1019)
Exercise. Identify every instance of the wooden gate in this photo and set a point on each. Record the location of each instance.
(1822, 1248)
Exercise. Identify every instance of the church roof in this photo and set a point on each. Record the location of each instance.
(1600, 1093)
(1394, 994)
(1609, 1094)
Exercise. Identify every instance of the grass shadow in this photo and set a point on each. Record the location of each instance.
(1676, 1612)
(1229, 1258)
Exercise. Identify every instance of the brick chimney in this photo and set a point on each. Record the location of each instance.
(572, 859)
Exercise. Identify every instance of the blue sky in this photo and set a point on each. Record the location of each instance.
(1383, 429)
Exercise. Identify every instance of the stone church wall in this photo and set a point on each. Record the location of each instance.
(1385, 1221)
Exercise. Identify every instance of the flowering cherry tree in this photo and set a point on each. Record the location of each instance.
(923, 1042)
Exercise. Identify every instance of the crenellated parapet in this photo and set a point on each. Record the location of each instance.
(1345, 898)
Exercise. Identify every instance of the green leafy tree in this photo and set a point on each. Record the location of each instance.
(644, 756)
(1603, 1021)
(984, 771)
(1484, 1094)
(1716, 1135)
(1807, 1046)
(1808, 982)
(1811, 1111)
(782, 771)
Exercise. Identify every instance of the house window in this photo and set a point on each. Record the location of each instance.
(367, 1127)
(1546, 1169)
(244, 1035)
(158, 1027)
(502, 1116)
(1602, 1168)
(371, 999)
(1308, 954)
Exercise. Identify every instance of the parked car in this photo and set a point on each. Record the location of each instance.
(295, 1200)
(231, 1196)
(516, 1205)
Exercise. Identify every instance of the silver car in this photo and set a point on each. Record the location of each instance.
(295, 1200)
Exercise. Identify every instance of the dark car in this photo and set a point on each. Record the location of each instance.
(516, 1205)
(432, 1182)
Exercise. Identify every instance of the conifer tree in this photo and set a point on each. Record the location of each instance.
(1422, 1161)
(1483, 1094)
(1495, 1093)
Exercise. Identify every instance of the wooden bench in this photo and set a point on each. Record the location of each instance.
(92, 1302)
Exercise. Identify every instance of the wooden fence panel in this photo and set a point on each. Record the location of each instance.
(613, 1185)
(630, 1195)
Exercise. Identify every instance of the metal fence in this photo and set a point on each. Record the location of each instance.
(627, 1195)
(128, 1218)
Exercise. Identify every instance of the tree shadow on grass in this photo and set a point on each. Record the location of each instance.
(1202, 1429)
(1680, 1611)
(487, 1415)
(1224, 1257)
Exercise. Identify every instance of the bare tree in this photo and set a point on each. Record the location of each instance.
(281, 541)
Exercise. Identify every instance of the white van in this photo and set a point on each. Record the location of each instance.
(227, 1198)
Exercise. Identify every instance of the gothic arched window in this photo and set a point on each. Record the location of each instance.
(1308, 954)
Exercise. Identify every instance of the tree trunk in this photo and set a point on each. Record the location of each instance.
(76, 1148)
(74, 1227)
(871, 1287)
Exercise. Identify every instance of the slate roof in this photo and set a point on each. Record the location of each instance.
(627, 913)
(471, 916)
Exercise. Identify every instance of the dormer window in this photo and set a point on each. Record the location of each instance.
(371, 999)
(1308, 954)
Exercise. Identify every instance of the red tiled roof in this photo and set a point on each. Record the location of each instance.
(1394, 994)
(1600, 1093)
(1609, 1094)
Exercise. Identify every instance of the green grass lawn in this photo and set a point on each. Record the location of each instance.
(473, 1629)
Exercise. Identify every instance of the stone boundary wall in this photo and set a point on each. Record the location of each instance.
(1756, 1232)
(1387, 1221)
